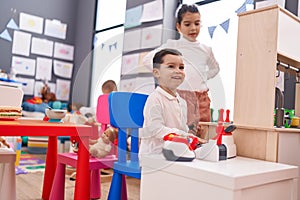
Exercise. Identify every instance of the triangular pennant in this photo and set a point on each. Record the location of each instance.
(12, 24)
(211, 30)
(113, 45)
(249, 2)
(5, 35)
(241, 9)
(225, 25)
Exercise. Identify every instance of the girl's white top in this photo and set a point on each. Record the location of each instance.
(199, 60)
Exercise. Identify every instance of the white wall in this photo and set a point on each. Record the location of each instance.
(224, 47)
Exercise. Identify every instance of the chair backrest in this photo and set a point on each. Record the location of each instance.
(102, 117)
(126, 114)
(11, 96)
(102, 112)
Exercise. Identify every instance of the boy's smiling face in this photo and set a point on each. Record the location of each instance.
(171, 73)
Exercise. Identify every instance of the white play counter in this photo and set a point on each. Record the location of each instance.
(234, 179)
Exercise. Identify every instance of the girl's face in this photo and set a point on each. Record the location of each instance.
(171, 72)
(190, 26)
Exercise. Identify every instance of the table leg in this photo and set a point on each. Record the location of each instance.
(51, 162)
(82, 185)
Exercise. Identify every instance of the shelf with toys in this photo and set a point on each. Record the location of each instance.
(267, 43)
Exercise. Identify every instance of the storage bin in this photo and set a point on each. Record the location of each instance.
(37, 145)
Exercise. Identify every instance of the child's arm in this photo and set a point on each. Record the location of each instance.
(213, 65)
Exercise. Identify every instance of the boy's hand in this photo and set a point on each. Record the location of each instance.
(202, 141)
(192, 128)
(198, 130)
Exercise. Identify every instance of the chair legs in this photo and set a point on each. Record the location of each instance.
(58, 186)
(118, 190)
(124, 188)
(95, 185)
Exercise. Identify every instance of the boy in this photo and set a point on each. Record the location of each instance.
(201, 65)
(109, 86)
(165, 111)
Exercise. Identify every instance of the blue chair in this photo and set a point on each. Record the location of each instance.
(126, 114)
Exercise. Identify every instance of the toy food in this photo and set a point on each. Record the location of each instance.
(10, 112)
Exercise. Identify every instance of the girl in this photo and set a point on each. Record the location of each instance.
(200, 64)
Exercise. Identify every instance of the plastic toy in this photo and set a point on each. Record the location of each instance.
(221, 113)
(18, 151)
(208, 151)
(227, 116)
(225, 138)
(179, 148)
(190, 141)
(101, 148)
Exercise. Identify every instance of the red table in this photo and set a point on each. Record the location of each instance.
(29, 127)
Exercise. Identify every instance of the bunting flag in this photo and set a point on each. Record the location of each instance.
(12, 24)
(110, 46)
(211, 30)
(5, 35)
(225, 25)
(102, 46)
(113, 45)
(249, 2)
(241, 9)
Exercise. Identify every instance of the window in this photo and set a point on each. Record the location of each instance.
(108, 45)
(110, 13)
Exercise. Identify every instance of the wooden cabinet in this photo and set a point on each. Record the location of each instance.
(234, 179)
(265, 36)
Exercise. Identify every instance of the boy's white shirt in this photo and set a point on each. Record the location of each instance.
(199, 60)
(161, 112)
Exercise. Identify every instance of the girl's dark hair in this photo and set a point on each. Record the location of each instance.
(158, 57)
(184, 9)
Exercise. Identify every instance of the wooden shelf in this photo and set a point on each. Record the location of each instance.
(265, 36)
(290, 61)
(268, 40)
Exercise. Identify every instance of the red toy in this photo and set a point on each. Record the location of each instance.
(190, 141)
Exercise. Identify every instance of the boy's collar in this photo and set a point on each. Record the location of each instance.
(169, 96)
